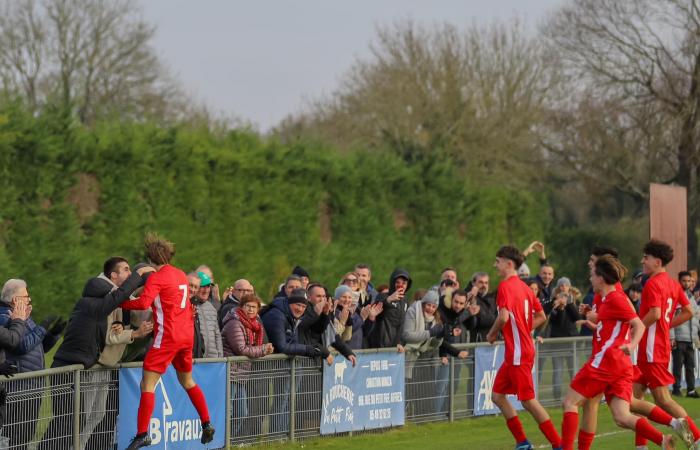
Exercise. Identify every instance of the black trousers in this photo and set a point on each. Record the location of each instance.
(683, 355)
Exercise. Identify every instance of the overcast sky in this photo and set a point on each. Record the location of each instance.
(261, 60)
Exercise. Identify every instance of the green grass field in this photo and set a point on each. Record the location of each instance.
(480, 433)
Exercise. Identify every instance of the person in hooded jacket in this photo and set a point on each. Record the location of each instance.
(387, 328)
(426, 337)
(243, 334)
(85, 338)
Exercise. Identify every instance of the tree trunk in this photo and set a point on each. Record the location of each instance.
(688, 161)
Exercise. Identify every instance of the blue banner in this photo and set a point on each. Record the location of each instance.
(175, 424)
(487, 360)
(369, 395)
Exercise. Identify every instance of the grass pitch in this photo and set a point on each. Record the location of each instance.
(488, 433)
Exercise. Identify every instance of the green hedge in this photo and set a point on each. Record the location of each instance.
(248, 207)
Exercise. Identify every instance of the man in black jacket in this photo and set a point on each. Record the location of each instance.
(562, 323)
(481, 305)
(387, 329)
(85, 337)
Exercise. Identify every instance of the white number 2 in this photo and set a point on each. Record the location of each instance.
(668, 309)
(183, 288)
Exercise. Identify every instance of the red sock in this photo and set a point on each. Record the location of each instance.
(569, 426)
(640, 441)
(693, 428)
(585, 440)
(146, 405)
(516, 429)
(658, 415)
(644, 428)
(197, 398)
(547, 428)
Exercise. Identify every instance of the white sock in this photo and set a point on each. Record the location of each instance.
(674, 423)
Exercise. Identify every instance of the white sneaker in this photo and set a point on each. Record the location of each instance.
(668, 442)
(680, 426)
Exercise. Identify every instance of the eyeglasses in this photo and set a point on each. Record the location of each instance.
(243, 290)
(250, 306)
(351, 280)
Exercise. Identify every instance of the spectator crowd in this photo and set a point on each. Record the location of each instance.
(305, 318)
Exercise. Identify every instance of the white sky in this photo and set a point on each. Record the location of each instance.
(260, 60)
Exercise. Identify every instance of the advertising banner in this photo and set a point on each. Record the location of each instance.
(487, 360)
(369, 395)
(175, 424)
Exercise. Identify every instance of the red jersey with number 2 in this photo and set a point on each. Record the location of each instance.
(166, 294)
(660, 291)
(614, 314)
(518, 299)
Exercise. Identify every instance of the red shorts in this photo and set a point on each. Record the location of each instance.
(517, 380)
(652, 375)
(591, 382)
(158, 359)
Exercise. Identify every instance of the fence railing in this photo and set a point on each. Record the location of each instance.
(271, 399)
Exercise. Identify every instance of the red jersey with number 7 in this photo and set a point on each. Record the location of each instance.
(518, 299)
(166, 293)
(660, 291)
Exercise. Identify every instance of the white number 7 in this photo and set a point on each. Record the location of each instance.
(183, 288)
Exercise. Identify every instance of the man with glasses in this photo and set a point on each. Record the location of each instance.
(240, 289)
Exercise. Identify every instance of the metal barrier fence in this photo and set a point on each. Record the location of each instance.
(271, 399)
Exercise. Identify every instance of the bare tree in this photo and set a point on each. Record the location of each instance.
(473, 95)
(634, 67)
(91, 57)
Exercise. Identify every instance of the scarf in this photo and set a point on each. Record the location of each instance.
(252, 328)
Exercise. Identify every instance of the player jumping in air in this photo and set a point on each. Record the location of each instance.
(166, 293)
(519, 312)
(609, 370)
(660, 296)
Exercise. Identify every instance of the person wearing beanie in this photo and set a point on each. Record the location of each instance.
(282, 319)
(303, 274)
(424, 334)
(347, 322)
(283, 324)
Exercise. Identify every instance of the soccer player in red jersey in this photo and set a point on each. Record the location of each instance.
(166, 293)
(660, 296)
(519, 312)
(609, 371)
(637, 406)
